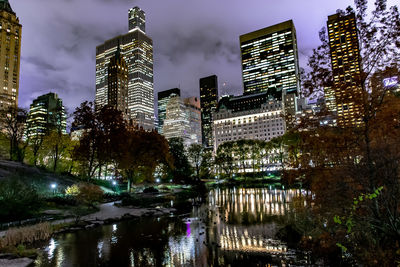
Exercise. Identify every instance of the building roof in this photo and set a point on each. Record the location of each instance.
(243, 102)
(265, 31)
(5, 5)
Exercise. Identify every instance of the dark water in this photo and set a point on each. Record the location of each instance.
(236, 227)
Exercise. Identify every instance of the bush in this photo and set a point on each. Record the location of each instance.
(62, 201)
(72, 190)
(89, 194)
(150, 190)
(18, 200)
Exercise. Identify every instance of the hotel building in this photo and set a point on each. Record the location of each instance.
(253, 116)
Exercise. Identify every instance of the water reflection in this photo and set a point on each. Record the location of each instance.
(236, 227)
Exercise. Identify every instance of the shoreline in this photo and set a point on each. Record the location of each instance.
(108, 213)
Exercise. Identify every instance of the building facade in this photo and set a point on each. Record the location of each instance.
(118, 83)
(208, 103)
(192, 105)
(137, 50)
(270, 64)
(255, 117)
(183, 120)
(10, 52)
(346, 69)
(46, 114)
(163, 98)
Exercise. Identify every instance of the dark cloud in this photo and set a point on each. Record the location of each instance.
(191, 39)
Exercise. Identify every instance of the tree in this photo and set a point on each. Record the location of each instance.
(102, 133)
(224, 158)
(181, 170)
(141, 153)
(12, 123)
(342, 164)
(18, 200)
(195, 155)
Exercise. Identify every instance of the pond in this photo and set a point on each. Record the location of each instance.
(235, 227)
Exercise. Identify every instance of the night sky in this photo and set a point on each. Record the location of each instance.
(192, 39)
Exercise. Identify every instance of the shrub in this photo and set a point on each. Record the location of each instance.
(62, 201)
(18, 200)
(89, 194)
(72, 190)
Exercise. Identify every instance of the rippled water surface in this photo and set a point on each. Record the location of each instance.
(236, 227)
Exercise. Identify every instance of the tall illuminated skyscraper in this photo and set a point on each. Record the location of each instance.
(163, 99)
(118, 83)
(345, 57)
(208, 103)
(137, 50)
(10, 51)
(270, 63)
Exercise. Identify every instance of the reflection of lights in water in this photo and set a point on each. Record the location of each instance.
(114, 239)
(52, 248)
(132, 258)
(188, 231)
(100, 248)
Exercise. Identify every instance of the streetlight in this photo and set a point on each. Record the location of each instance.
(53, 186)
(158, 180)
(114, 183)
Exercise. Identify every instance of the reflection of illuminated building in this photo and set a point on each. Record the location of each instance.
(243, 220)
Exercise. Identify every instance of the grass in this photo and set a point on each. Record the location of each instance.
(26, 235)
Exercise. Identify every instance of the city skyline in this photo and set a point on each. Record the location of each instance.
(191, 47)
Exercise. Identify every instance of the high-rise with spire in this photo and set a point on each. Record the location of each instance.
(136, 48)
(10, 50)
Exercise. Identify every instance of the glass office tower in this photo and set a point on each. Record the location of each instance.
(208, 103)
(270, 63)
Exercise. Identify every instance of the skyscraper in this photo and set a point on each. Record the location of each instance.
(163, 99)
(270, 63)
(208, 103)
(137, 50)
(10, 50)
(118, 83)
(46, 113)
(345, 58)
(192, 105)
(183, 119)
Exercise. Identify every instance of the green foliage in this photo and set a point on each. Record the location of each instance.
(18, 200)
(72, 190)
(181, 171)
(348, 221)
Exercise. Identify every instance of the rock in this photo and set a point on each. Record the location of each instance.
(19, 262)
